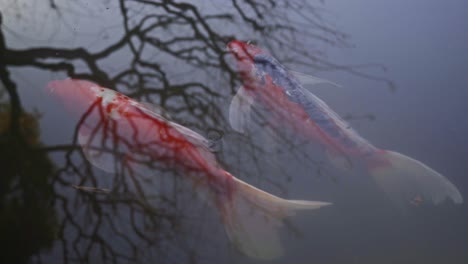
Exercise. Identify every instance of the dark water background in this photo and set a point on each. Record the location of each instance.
(403, 69)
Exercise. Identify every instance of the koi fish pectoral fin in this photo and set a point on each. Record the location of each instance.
(403, 178)
(109, 156)
(252, 218)
(94, 152)
(306, 79)
(239, 110)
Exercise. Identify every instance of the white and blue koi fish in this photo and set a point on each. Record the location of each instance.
(268, 83)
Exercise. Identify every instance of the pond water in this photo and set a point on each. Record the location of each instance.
(401, 72)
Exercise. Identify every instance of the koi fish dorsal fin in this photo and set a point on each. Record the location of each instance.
(252, 219)
(239, 110)
(204, 146)
(192, 136)
(306, 79)
(154, 110)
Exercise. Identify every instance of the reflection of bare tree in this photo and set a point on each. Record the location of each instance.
(157, 39)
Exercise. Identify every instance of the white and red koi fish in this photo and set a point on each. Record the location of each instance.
(114, 124)
(268, 83)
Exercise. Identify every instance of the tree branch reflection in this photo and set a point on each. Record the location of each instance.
(158, 39)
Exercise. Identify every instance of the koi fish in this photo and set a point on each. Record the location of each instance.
(115, 126)
(269, 84)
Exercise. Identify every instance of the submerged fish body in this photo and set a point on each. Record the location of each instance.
(271, 84)
(113, 126)
(268, 83)
(139, 133)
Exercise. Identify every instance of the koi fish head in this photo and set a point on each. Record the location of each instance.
(243, 51)
(256, 66)
(79, 96)
(244, 55)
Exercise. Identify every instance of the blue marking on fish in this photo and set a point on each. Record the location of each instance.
(293, 90)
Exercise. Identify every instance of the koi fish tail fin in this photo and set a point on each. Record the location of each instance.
(252, 218)
(406, 180)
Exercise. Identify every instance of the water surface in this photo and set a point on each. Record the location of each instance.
(403, 69)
